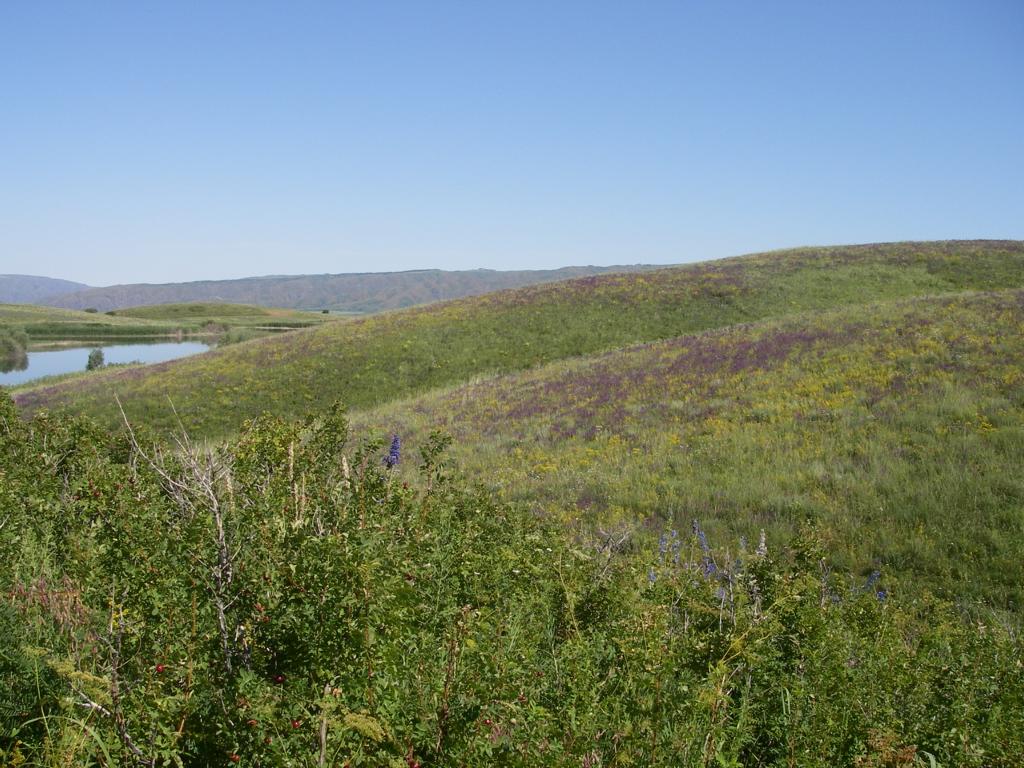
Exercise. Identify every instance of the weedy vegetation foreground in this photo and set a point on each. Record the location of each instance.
(276, 602)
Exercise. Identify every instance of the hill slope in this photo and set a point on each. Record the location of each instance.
(53, 323)
(27, 289)
(898, 428)
(370, 361)
(356, 293)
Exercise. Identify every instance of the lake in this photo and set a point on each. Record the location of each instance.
(71, 359)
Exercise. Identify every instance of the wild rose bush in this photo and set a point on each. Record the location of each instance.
(274, 602)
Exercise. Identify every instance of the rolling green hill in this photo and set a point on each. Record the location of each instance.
(47, 323)
(371, 361)
(898, 428)
(193, 310)
(201, 314)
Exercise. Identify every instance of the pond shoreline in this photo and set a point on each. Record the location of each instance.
(46, 345)
(45, 364)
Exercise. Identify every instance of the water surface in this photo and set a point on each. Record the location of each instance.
(73, 359)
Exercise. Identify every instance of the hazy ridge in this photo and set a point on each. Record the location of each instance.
(28, 289)
(347, 292)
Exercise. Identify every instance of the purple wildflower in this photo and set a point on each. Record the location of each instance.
(391, 460)
(707, 564)
(872, 580)
(701, 538)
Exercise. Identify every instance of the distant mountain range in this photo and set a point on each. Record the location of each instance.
(29, 289)
(354, 292)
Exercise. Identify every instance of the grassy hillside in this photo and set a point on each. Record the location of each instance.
(354, 293)
(374, 360)
(899, 428)
(200, 314)
(47, 323)
(195, 310)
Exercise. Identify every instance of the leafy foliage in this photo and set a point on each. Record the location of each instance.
(13, 346)
(95, 360)
(275, 601)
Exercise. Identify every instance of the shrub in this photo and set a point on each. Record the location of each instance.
(95, 360)
(13, 349)
(279, 601)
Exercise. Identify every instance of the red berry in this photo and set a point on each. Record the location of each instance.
(252, 723)
(296, 723)
(160, 668)
(487, 721)
(234, 758)
(279, 679)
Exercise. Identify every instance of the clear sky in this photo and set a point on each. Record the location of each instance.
(145, 141)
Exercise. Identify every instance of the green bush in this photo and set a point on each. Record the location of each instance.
(275, 602)
(13, 349)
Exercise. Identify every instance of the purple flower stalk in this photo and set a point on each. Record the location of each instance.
(872, 580)
(701, 538)
(707, 564)
(391, 460)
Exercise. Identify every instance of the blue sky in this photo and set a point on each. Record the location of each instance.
(187, 140)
